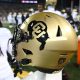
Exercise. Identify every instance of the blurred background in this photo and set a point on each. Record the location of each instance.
(14, 12)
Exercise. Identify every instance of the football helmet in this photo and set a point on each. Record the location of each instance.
(51, 42)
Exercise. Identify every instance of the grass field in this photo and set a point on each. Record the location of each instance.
(71, 69)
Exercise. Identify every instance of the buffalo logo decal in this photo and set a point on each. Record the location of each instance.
(38, 29)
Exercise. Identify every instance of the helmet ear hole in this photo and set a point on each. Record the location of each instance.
(59, 32)
(25, 61)
(28, 52)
